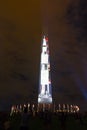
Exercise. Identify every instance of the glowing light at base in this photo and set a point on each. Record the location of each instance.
(45, 89)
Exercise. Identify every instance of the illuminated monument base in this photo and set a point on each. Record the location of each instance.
(44, 102)
(44, 99)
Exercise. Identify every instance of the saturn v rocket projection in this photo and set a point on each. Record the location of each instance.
(45, 89)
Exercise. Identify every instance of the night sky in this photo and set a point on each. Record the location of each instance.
(22, 25)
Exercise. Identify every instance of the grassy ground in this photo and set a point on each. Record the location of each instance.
(37, 123)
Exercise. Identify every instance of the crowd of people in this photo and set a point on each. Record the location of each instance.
(55, 108)
(27, 111)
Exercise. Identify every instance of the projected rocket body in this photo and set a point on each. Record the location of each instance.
(45, 89)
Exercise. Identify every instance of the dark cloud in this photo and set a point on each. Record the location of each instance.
(76, 16)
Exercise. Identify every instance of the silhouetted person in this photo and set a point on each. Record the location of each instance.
(47, 120)
(63, 121)
(1, 126)
(6, 122)
(24, 120)
(7, 125)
